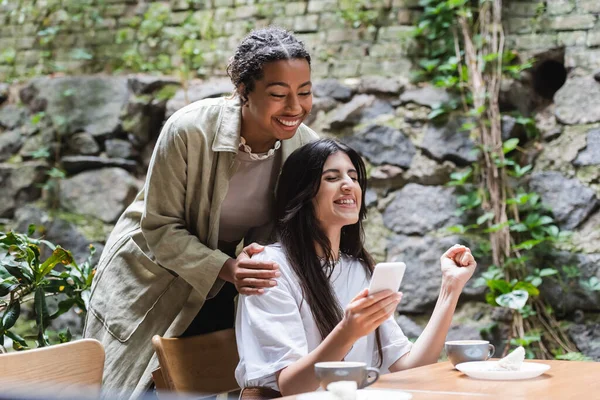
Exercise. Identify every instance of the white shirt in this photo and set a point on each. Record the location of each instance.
(277, 328)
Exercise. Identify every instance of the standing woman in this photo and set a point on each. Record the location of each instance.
(169, 267)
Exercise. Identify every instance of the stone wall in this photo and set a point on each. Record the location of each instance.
(103, 35)
(534, 27)
(102, 130)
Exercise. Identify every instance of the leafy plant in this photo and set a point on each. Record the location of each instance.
(27, 276)
(462, 50)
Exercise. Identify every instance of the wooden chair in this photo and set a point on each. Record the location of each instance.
(203, 364)
(62, 370)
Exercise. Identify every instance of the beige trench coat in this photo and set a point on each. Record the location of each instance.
(160, 262)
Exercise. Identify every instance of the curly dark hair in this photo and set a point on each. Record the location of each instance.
(262, 46)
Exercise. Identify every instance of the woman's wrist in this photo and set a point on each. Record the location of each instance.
(227, 270)
(451, 289)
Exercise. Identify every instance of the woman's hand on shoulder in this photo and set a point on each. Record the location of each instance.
(251, 276)
(367, 311)
(458, 265)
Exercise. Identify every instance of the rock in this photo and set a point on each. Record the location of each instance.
(332, 88)
(377, 108)
(545, 121)
(409, 327)
(558, 154)
(418, 209)
(422, 279)
(143, 119)
(370, 198)
(577, 101)
(349, 113)
(426, 171)
(119, 148)
(20, 185)
(76, 164)
(84, 103)
(383, 145)
(83, 143)
(375, 235)
(591, 154)
(463, 332)
(199, 91)
(450, 143)
(10, 143)
(4, 92)
(570, 201)
(576, 297)
(587, 238)
(114, 186)
(587, 339)
(12, 116)
(320, 104)
(45, 139)
(62, 232)
(426, 96)
(145, 84)
(380, 85)
(388, 177)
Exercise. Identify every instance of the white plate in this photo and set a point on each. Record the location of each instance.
(490, 370)
(361, 394)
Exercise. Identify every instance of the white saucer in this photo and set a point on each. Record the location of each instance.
(490, 370)
(361, 394)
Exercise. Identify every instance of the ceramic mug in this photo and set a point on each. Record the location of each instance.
(334, 371)
(460, 351)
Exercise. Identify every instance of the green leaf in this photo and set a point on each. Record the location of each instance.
(490, 298)
(11, 315)
(7, 286)
(573, 356)
(63, 307)
(485, 217)
(548, 272)
(510, 145)
(18, 342)
(515, 299)
(531, 289)
(19, 273)
(528, 244)
(41, 315)
(499, 285)
(436, 112)
(59, 256)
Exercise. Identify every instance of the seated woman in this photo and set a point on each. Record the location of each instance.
(324, 266)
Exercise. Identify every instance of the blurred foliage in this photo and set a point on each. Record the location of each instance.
(27, 276)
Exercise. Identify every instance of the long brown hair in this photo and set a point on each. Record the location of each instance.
(298, 230)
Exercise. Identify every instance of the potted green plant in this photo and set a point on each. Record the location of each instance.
(25, 276)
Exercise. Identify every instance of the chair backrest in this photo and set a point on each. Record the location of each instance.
(198, 364)
(68, 368)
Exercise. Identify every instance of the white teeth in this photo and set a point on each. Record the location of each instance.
(346, 201)
(289, 123)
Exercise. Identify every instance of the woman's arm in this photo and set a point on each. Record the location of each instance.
(166, 230)
(455, 275)
(362, 316)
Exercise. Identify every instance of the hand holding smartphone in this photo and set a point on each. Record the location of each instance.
(387, 276)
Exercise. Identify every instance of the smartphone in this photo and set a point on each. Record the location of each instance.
(387, 276)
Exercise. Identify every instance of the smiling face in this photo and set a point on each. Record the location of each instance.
(280, 101)
(338, 200)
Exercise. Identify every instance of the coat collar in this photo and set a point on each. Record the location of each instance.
(229, 126)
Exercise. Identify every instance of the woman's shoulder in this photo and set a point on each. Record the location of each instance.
(201, 116)
(276, 252)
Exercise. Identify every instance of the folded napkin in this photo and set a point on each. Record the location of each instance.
(513, 361)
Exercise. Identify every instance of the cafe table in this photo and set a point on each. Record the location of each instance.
(564, 380)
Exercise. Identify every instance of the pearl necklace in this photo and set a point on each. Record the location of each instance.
(254, 156)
